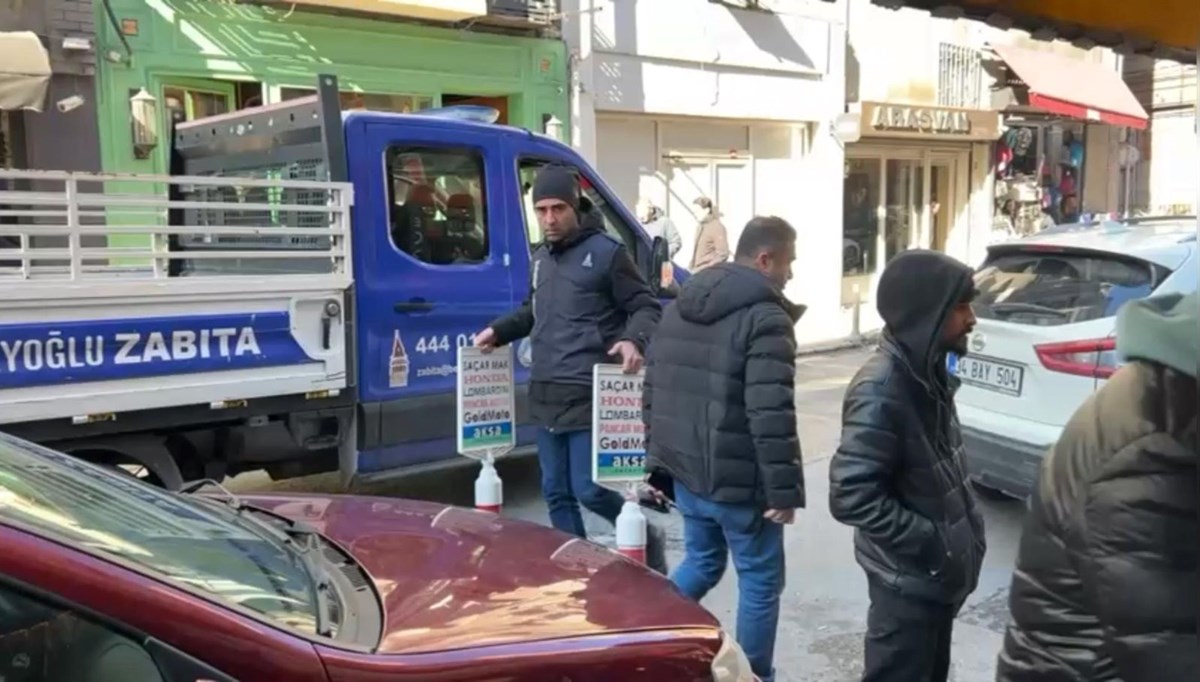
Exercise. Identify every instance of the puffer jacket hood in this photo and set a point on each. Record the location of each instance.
(717, 292)
(916, 292)
(1162, 329)
(1104, 587)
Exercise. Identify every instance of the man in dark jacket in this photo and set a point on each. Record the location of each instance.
(898, 475)
(1105, 586)
(588, 304)
(720, 416)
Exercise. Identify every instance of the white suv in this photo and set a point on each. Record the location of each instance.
(1044, 342)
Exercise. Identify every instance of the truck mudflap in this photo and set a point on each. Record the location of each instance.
(92, 329)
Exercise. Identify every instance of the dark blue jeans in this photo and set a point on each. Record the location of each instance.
(711, 531)
(566, 462)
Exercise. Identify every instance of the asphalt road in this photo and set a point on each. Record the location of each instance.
(825, 602)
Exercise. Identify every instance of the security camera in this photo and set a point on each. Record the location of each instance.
(70, 103)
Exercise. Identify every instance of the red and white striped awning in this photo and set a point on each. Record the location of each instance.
(1073, 87)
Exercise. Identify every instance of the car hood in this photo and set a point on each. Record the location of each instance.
(452, 578)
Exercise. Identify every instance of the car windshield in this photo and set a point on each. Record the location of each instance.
(168, 536)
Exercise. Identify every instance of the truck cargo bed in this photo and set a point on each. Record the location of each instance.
(126, 293)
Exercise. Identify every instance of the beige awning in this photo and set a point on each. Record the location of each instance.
(24, 71)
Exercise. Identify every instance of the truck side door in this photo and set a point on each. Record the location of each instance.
(432, 269)
(531, 154)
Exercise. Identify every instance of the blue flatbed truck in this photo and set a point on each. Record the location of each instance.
(310, 275)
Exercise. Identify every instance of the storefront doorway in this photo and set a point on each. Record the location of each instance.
(727, 182)
(900, 197)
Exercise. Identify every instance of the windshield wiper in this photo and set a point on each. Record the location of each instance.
(287, 536)
(322, 584)
(1028, 308)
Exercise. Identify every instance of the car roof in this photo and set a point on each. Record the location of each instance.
(1166, 240)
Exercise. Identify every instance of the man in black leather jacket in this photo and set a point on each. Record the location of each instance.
(898, 475)
(1105, 586)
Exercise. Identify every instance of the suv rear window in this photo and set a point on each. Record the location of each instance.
(1053, 287)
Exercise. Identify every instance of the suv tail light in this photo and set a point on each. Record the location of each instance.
(1091, 358)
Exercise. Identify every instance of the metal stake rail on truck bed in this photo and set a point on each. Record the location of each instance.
(120, 317)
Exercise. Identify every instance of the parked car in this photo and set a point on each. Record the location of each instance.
(106, 578)
(1045, 340)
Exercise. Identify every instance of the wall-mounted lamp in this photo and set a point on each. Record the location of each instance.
(143, 109)
(553, 127)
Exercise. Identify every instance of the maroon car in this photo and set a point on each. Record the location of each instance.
(105, 578)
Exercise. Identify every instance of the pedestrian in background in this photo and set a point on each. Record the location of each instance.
(712, 241)
(657, 224)
(898, 476)
(720, 413)
(588, 304)
(1106, 583)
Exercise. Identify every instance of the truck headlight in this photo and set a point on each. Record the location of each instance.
(730, 663)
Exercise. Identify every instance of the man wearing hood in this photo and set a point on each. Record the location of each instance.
(588, 304)
(898, 476)
(1105, 586)
(720, 414)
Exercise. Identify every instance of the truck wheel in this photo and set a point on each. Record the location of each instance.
(144, 459)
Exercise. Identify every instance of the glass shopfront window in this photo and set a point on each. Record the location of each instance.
(895, 201)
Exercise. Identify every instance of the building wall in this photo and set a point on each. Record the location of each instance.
(52, 139)
(660, 89)
(893, 55)
(1167, 178)
(180, 41)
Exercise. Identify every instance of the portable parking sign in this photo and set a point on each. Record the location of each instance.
(486, 402)
(618, 435)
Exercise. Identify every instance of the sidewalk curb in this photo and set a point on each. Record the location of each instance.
(864, 341)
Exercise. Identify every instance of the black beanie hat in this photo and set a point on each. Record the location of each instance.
(557, 182)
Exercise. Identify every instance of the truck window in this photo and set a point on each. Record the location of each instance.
(437, 204)
(613, 222)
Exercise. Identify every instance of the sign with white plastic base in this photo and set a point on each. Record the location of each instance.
(619, 450)
(486, 406)
(618, 435)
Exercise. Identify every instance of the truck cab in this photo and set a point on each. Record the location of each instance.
(444, 229)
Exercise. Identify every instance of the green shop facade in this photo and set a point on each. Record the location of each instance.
(204, 57)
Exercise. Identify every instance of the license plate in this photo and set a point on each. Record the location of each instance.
(992, 375)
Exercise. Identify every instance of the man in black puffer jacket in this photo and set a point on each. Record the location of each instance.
(898, 475)
(1106, 581)
(720, 413)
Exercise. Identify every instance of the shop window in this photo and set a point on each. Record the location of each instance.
(614, 224)
(905, 197)
(353, 101)
(187, 104)
(437, 204)
(860, 216)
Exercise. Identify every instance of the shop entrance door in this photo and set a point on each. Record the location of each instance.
(943, 203)
(727, 182)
